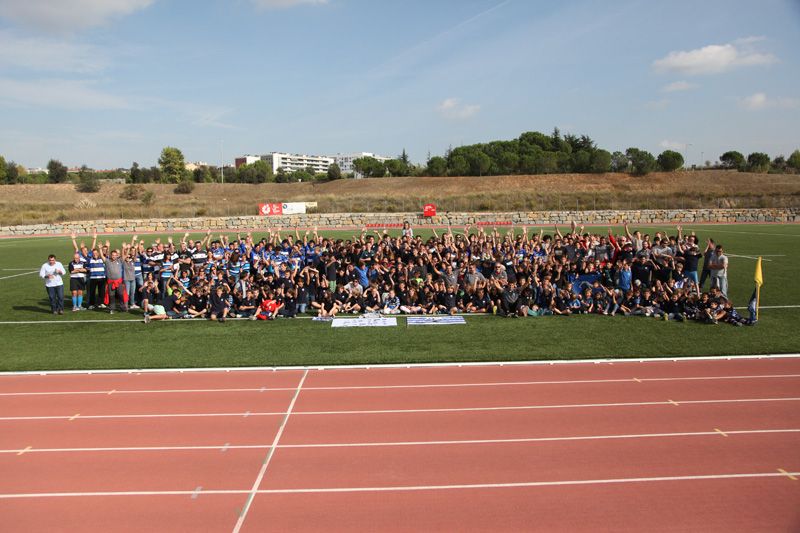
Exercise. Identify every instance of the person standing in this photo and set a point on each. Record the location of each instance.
(115, 289)
(77, 280)
(51, 273)
(719, 270)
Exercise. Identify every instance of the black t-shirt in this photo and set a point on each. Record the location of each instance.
(691, 260)
(330, 270)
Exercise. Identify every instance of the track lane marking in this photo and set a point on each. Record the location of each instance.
(27, 449)
(411, 386)
(783, 472)
(268, 458)
(401, 411)
(722, 432)
(405, 488)
(406, 443)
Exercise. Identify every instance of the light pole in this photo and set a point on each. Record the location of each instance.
(702, 159)
(686, 152)
(222, 161)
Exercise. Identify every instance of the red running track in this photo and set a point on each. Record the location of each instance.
(688, 445)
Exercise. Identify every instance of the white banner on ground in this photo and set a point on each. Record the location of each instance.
(435, 320)
(363, 322)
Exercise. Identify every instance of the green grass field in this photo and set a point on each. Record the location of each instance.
(33, 339)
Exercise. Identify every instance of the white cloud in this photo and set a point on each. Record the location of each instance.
(672, 145)
(283, 4)
(715, 58)
(452, 108)
(676, 86)
(35, 53)
(67, 15)
(759, 101)
(58, 93)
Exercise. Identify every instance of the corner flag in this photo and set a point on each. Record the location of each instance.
(759, 279)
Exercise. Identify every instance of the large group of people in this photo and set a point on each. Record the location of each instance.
(513, 273)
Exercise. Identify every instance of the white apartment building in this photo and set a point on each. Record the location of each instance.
(345, 161)
(292, 162)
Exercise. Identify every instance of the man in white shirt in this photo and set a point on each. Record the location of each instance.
(719, 270)
(51, 273)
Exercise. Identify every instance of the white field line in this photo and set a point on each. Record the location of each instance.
(403, 411)
(203, 321)
(402, 488)
(531, 362)
(18, 275)
(268, 459)
(17, 269)
(714, 433)
(751, 257)
(389, 387)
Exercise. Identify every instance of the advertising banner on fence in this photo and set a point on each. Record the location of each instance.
(274, 209)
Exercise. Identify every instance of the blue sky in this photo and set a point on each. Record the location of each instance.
(109, 82)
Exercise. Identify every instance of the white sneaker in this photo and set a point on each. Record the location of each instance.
(146, 319)
(103, 306)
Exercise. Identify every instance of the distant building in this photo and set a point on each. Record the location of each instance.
(345, 161)
(293, 162)
(191, 167)
(37, 170)
(246, 160)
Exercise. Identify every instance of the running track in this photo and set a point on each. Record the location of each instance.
(688, 445)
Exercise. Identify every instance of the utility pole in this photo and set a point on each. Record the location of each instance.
(222, 161)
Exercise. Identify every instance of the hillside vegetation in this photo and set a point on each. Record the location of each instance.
(29, 204)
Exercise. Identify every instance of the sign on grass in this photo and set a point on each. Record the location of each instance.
(364, 322)
(435, 320)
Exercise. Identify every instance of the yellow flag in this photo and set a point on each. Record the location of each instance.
(758, 277)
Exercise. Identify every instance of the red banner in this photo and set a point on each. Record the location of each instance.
(429, 210)
(270, 209)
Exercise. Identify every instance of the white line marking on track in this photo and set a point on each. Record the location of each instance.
(785, 473)
(520, 440)
(401, 411)
(196, 492)
(385, 387)
(530, 362)
(18, 275)
(717, 430)
(268, 459)
(403, 488)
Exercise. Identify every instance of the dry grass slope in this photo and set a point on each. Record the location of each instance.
(25, 204)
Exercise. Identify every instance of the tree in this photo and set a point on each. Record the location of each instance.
(457, 166)
(670, 160)
(581, 161)
(202, 175)
(619, 162)
(172, 164)
(732, 160)
(136, 173)
(642, 162)
(396, 167)
(405, 159)
(758, 162)
(779, 164)
(334, 172)
(437, 166)
(87, 180)
(12, 173)
(3, 170)
(263, 172)
(794, 161)
(601, 161)
(480, 163)
(369, 167)
(56, 171)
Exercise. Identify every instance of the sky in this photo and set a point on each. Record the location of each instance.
(109, 82)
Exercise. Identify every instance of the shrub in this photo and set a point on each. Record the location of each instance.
(132, 192)
(148, 198)
(184, 187)
(87, 182)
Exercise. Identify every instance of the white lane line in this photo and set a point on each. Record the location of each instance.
(404, 488)
(268, 459)
(520, 440)
(18, 275)
(402, 411)
(389, 387)
(721, 359)
(763, 258)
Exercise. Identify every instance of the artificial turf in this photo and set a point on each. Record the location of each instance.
(68, 342)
